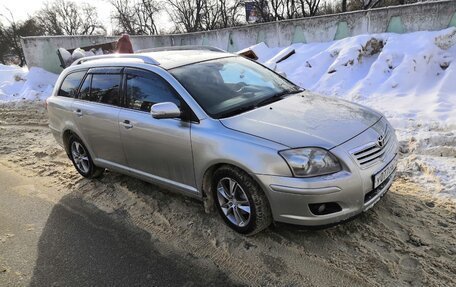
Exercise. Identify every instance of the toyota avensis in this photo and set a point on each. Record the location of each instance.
(226, 130)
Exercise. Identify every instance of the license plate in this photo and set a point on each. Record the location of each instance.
(382, 175)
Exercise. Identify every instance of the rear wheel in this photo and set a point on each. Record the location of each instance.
(81, 159)
(240, 201)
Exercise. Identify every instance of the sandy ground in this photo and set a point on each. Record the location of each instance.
(407, 239)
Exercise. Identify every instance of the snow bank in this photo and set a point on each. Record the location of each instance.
(406, 76)
(19, 84)
(262, 51)
(411, 78)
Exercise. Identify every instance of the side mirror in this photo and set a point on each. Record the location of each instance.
(166, 110)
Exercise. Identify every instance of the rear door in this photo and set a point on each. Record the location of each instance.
(156, 148)
(60, 107)
(96, 113)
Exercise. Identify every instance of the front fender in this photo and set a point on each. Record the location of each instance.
(213, 144)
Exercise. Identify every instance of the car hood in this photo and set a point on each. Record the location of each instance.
(305, 119)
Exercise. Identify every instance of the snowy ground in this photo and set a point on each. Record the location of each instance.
(407, 239)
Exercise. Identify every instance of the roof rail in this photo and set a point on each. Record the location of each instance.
(178, 48)
(146, 59)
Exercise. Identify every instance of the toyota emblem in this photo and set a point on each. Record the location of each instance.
(380, 141)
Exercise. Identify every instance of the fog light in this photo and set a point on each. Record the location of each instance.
(321, 208)
(324, 208)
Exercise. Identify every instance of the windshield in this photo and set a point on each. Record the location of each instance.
(229, 86)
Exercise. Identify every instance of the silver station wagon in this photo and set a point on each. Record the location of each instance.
(226, 130)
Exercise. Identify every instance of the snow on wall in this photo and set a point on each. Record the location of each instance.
(434, 15)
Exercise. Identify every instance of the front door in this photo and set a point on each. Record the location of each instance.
(155, 148)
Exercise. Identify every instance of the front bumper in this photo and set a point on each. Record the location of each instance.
(352, 189)
(291, 205)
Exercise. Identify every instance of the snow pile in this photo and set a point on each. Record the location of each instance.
(411, 78)
(262, 51)
(19, 84)
(429, 157)
(406, 76)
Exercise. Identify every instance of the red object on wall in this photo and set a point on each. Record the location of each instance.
(124, 45)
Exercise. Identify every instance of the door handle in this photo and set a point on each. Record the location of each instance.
(78, 112)
(126, 124)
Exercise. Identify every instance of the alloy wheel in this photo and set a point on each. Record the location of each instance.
(80, 157)
(233, 202)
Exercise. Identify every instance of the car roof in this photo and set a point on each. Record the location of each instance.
(177, 58)
(166, 59)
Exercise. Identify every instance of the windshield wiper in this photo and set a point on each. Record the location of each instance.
(237, 111)
(263, 102)
(276, 97)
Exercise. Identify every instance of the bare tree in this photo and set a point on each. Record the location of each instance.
(219, 14)
(262, 10)
(186, 14)
(329, 7)
(312, 6)
(62, 17)
(4, 47)
(10, 39)
(136, 17)
(344, 5)
(201, 15)
(229, 13)
(211, 15)
(367, 4)
(291, 9)
(283, 9)
(276, 10)
(10, 44)
(385, 3)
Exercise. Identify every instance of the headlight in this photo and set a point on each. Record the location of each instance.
(306, 162)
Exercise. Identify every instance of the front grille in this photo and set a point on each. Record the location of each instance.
(374, 151)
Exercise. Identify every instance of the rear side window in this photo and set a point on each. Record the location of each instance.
(70, 84)
(104, 88)
(145, 90)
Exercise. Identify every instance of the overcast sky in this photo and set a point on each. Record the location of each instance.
(22, 8)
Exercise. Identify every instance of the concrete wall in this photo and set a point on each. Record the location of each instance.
(41, 51)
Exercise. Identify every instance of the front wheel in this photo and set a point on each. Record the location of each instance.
(240, 201)
(81, 159)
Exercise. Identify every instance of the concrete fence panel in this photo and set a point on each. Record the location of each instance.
(436, 15)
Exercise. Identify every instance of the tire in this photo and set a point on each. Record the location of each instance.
(248, 196)
(81, 159)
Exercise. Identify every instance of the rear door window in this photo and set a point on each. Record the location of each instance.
(84, 92)
(70, 84)
(145, 89)
(104, 88)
